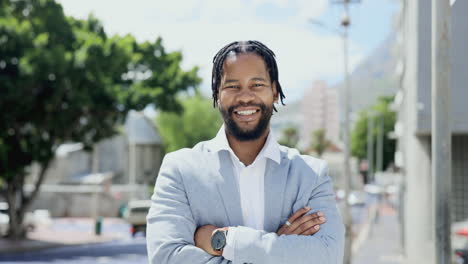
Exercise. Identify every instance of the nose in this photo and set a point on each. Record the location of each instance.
(246, 96)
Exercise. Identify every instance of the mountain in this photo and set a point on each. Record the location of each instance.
(374, 76)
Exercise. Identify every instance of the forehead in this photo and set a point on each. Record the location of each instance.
(245, 63)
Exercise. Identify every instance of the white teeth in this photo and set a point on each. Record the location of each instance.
(246, 112)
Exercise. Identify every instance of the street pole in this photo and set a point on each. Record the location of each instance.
(347, 167)
(346, 98)
(380, 143)
(345, 22)
(370, 147)
(441, 130)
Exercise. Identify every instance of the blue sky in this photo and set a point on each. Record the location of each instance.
(199, 28)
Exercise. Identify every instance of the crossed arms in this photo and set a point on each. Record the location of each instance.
(171, 229)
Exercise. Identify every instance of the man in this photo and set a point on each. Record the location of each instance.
(241, 197)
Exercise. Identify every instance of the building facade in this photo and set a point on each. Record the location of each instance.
(119, 169)
(320, 111)
(413, 127)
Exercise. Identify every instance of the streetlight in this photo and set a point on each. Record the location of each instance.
(370, 146)
(345, 22)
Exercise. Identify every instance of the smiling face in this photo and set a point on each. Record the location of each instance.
(246, 96)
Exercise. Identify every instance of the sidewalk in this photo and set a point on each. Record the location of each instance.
(64, 232)
(382, 245)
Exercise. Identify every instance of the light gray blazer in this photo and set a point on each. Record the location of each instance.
(197, 186)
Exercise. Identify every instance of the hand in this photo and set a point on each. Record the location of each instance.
(302, 224)
(203, 239)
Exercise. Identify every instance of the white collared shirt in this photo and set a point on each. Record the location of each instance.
(250, 180)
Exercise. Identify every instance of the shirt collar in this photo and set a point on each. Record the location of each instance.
(270, 149)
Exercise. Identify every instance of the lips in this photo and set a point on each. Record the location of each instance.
(246, 111)
(246, 114)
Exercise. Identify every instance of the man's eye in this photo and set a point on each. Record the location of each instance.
(231, 86)
(258, 85)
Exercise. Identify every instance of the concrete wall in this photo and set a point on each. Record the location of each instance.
(77, 204)
(459, 76)
(80, 200)
(417, 215)
(148, 159)
(63, 167)
(113, 156)
(414, 115)
(64, 200)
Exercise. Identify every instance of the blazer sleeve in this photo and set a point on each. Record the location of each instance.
(170, 224)
(324, 247)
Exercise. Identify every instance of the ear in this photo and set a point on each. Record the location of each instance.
(275, 93)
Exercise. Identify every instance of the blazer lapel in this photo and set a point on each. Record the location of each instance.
(275, 184)
(229, 189)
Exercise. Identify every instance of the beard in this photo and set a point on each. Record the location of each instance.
(247, 134)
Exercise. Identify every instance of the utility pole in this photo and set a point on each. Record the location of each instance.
(347, 166)
(441, 130)
(345, 23)
(380, 146)
(370, 147)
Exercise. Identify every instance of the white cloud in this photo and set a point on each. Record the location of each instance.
(199, 28)
(310, 9)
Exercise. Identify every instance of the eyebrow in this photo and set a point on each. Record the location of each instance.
(253, 79)
(259, 79)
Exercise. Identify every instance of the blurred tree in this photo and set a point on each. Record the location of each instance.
(319, 142)
(359, 134)
(199, 121)
(64, 80)
(289, 137)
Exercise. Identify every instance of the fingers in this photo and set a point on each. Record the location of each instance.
(293, 218)
(314, 229)
(298, 214)
(310, 227)
(304, 223)
(281, 230)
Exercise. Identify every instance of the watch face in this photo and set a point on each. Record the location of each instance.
(218, 241)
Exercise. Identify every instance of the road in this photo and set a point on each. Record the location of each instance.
(127, 250)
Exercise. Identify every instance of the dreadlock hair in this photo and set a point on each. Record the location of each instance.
(239, 47)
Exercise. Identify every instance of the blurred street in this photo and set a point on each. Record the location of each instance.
(71, 240)
(382, 245)
(124, 251)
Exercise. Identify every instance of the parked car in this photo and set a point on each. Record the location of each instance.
(4, 219)
(29, 221)
(135, 215)
(355, 198)
(460, 242)
(461, 256)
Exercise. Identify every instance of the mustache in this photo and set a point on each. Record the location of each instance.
(262, 107)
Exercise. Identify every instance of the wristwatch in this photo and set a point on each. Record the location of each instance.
(218, 240)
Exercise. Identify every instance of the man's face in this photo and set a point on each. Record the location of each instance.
(246, 96)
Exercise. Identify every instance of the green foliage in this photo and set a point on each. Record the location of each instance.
(289, 137)
(359, 133)
(319, 142)
(199, 121)
(63, 79)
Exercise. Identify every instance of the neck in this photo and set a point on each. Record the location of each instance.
(247, 151)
